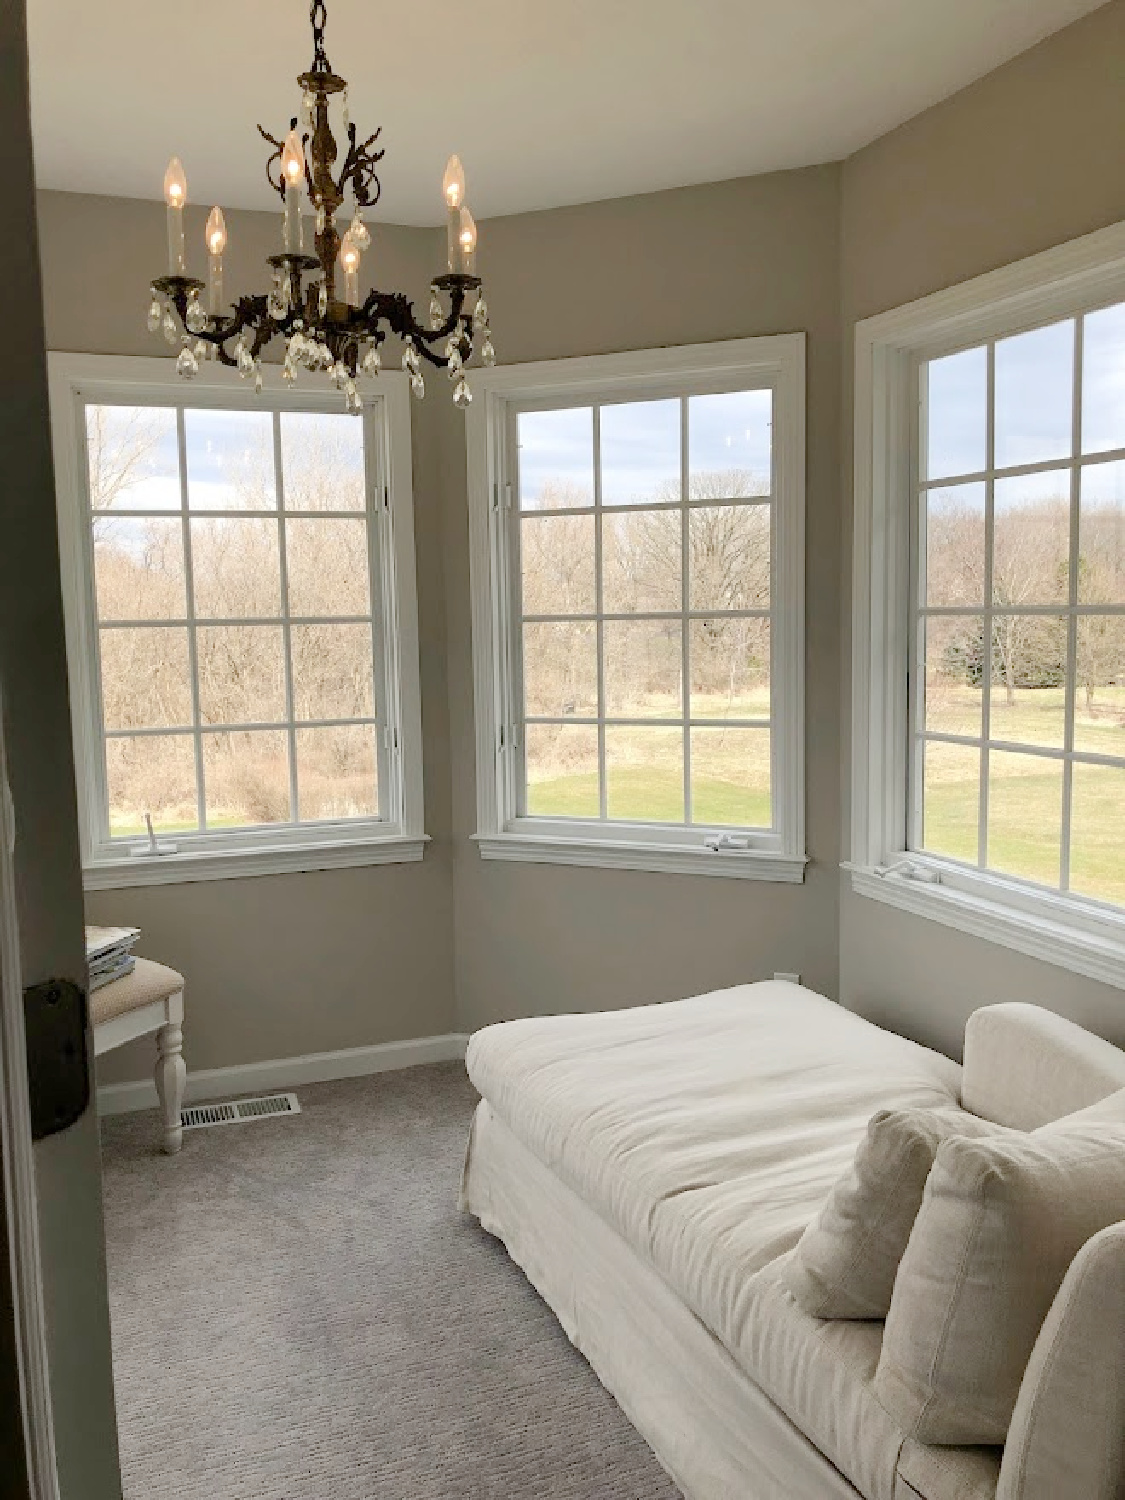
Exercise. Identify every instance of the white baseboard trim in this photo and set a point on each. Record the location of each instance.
(288, 1072)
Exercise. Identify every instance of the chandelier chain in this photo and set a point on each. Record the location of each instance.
(318, 17)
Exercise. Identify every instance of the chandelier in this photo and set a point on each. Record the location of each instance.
(338, 335)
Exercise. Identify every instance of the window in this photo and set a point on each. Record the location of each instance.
(234, 571)
(991, 455)
(637, 582)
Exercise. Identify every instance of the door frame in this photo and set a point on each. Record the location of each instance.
(20, 1195)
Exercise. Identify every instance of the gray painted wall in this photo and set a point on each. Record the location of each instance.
(1010, 166)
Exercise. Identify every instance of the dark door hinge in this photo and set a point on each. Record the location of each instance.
(57, 1066)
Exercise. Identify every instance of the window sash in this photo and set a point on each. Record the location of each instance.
(395, 832)
(774, 363)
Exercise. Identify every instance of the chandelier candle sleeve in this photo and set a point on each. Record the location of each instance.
(293, 168)
(468, 242)
(216, 237)
(175, 196)
(349, 260)
(453, 189)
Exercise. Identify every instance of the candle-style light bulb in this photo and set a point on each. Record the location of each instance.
(467, 239)
(293, 171)
(349, 260)
(453, 190)
(215, 236)
(175, 196)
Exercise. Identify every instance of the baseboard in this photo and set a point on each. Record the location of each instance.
(289, 1072)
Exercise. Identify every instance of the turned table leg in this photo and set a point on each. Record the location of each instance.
(171, 1073)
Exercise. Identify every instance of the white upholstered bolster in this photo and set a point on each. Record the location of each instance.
(1067, 1436)
(1025, 1066)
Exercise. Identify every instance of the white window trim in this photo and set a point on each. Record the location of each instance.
(776, 361)
(398, 837)
(1065, 930)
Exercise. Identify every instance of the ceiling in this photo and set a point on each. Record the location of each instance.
(547, 103)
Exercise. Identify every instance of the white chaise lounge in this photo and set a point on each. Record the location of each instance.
(651, 1169)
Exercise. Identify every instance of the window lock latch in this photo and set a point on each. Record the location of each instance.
(727, 841)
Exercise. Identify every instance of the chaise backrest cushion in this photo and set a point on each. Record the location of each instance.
(1025, 1066)
(1067, 1436)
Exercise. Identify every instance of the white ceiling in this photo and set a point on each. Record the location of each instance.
(547, 103)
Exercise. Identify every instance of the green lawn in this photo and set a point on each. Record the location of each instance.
(644, 794)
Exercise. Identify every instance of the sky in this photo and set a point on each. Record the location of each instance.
(640, 446)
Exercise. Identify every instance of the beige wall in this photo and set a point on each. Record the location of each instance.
(285, 964)
(1024, 159)
(729, 260)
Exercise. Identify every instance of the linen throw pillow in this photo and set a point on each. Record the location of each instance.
(1001, 1220)
(846, 1260)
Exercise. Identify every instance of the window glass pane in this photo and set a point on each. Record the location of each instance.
(556, 458)
(154, 773)
(729, 444)
(1103, 380)
(327, 567)
(1028, 698)
(1025, 816)
(337, 773)
(950, 799)
(560, 670)
(562, 771)
(230, 460)
(730, 668)
(132, 458)
(730, 777)
(957, 414)
(333, 674)
(954, 533)
(322, 461)
(1097, 832)
(729, 560)
(557, 564)
(235, 568)
(642, 560)
(643, 668)
(241, 674)
(1035, 395)
(145, 678)
(640, 451)
(1099, 719)
(1031, 547)
(246, 778)
(954, 654)
(139, 568)
(644, 774)
(1101, 541)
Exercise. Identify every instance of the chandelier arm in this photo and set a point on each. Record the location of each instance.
(359, 169)
(277, 184)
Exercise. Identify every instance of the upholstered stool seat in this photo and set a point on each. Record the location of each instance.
(151, 998)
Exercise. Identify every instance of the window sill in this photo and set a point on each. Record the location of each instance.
(239, 864)
(666, 859)
(1083, 946)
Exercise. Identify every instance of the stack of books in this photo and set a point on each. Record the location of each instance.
(109, 954)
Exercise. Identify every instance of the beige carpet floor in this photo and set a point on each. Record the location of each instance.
(300, 1312)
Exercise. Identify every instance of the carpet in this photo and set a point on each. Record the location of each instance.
(300, 1312)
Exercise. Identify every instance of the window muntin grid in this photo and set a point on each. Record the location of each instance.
(329, 745)
(1019, 583)
(599, 484)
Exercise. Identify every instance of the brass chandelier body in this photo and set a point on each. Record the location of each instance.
(339, 335)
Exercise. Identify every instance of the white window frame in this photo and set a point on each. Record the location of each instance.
(1084, 936)
(397, 835)
(776, 363)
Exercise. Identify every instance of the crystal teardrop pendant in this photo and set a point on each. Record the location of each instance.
(410, 361)
(246, 362)
(488, 352)
(462, 395)
(202, 349)
(418, 385)
(361, 235)
(453, 364)
(480, 314)
(168, 324)
(258, 380)
(154, 316)
(437, 314)
(187, 365)
(371, 361)
(195, 319)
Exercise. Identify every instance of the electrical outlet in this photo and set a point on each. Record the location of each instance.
(790, 978)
